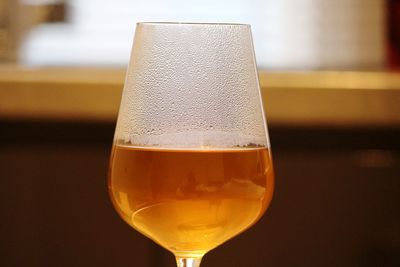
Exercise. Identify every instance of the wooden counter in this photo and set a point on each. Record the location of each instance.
(343, 99)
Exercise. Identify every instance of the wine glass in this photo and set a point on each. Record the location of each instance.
(191, 166)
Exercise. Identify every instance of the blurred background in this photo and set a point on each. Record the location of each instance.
(329, 75)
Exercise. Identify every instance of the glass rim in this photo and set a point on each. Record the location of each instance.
(192, 23)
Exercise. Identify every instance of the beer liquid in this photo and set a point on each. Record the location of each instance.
(190, 201)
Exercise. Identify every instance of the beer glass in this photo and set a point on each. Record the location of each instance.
(191, 165)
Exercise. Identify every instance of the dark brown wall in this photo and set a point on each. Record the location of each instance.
(337, 201)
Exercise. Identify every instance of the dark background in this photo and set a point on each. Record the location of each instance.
(337, 201)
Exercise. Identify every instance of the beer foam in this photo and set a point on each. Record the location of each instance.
(198, 139)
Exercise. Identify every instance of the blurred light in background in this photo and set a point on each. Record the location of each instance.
(288, 34)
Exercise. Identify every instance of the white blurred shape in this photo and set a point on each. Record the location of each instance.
(288, 34)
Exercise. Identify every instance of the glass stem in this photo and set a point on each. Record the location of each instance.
(188, 262)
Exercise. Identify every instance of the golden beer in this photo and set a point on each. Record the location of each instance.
(190, 200)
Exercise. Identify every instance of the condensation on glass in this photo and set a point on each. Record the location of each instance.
(192, 85)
